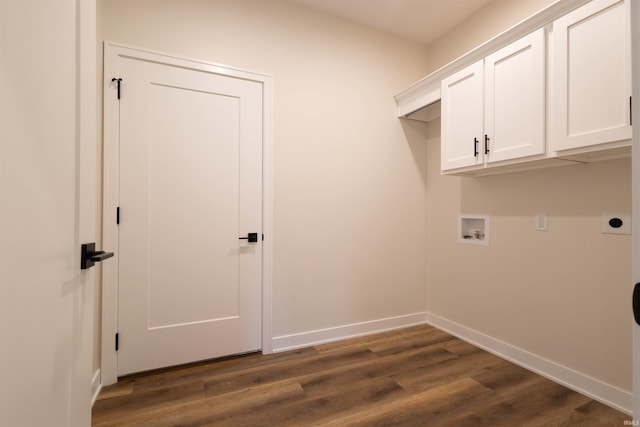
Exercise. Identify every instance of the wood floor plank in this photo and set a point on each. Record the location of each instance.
(359, 396)
(214, 409)
(369, 341)
(421, 409)
(552, 400)
(386, 366)
(508, 379)
(412, 377)
(216, 367)
(460, 347)
(535, 405)
(497, 413)
(122, 388)
(256, 375)
(539, 403)
(591, 414)
(120, 406)
(465, 366)
(405, 343)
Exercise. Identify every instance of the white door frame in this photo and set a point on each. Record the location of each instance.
(110, 187)
(635, 185)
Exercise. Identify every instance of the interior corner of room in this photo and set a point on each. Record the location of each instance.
(544, 289)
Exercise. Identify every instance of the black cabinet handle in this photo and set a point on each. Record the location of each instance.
(89, 256)
(486, 144)
(475, 147)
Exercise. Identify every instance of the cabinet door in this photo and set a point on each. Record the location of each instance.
(514, 100)
(461, 118)
(591, 72)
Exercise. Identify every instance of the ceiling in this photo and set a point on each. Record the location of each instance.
(422, 21)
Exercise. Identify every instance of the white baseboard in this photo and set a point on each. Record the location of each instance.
(306, 339)
(96, 386)
(605, 393)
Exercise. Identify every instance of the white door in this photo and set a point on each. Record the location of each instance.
(190, 193)
(591, 52)
(514, 100)
(635, 44)
(462, 112)
(47, 210)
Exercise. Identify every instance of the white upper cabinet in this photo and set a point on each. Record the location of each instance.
(554, 89)
(493, 110)
(515, 99)
(590, 70)
(462, 112)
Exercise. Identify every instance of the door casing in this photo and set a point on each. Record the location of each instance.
(112, 51)
(635, 190)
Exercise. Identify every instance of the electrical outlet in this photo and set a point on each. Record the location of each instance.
(541, 221)
(616, 223)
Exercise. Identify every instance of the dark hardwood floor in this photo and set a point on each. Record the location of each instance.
(418, 376)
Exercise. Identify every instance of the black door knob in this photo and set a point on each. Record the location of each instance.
(89, 256)
(251, 237)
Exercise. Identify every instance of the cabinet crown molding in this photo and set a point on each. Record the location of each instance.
(426, 91)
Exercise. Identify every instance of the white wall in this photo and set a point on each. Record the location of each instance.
(486, 23)
(558, 299)
(350, 234)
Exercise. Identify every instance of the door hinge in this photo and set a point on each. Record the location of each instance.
(118, 81)
(118, 215)
(631, 111)
(263, 237)
(117, 343)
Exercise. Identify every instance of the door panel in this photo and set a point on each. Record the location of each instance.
(514, 99)
(189, 174)
(590, 69)
(190, 186)
(462, 113)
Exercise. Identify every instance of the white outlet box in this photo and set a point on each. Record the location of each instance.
(473, 229)
(541, 221)
(616, 223)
